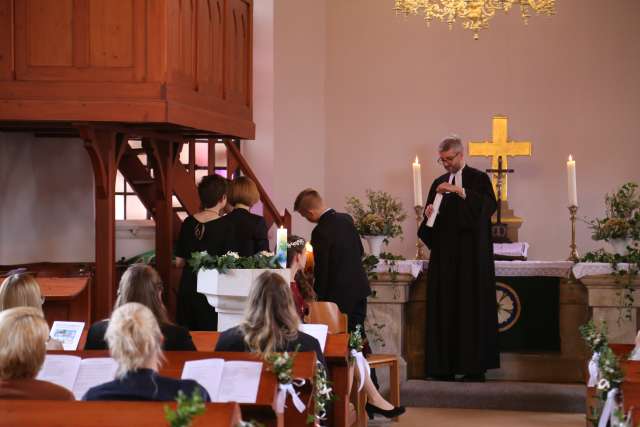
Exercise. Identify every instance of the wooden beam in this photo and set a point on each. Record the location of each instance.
(105, 147)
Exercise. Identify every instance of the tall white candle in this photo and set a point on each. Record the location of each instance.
(417, 183)
(281, 247)
(571, 182)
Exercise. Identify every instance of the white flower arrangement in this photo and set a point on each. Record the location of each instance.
(295, 244)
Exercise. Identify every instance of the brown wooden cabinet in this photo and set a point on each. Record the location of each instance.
(186, 63)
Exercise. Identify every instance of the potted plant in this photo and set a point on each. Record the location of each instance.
(621, 226)
(379, 220)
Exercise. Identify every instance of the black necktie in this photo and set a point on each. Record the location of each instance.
(454, 180)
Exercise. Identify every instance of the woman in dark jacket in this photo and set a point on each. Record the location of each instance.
(142, 284)
(208, 231)
(250, 229)
(135, 343)
(271, 322)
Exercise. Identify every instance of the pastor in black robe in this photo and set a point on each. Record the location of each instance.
(462, 318)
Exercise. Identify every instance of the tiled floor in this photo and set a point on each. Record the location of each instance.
(419, 417)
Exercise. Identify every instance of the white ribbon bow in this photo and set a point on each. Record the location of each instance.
(594, 373)
(607, 411)
(362, 364)
(283, 390)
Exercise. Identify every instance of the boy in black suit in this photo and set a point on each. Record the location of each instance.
(337, 250)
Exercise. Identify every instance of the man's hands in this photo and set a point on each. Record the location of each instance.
(428, 211)
(445, 187)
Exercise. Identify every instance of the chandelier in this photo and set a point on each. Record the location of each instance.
(474, 14)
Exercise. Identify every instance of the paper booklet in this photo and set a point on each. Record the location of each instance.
(76, 374)
(226, 381)
(68, 333)
(317, 331)
(517, 250)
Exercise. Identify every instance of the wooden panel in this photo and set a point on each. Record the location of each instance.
(182, 42)
(238, 52)
(81, 40)
(50, 32)
(6, 40)
(111, 33)
(210, 47)
(47, 413)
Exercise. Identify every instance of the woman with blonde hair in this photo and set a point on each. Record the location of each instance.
(135, 342)
(141, 283)
(250, 229)
(270, 322)
(22, 290)
(23, 337)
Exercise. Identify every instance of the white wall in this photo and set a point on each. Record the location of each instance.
(568, 83)
(46, 200)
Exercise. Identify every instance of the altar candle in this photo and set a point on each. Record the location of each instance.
(281, 247)
(417, 183)
(571, 182)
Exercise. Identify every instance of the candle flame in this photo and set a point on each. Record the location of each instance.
(417, 162)
(308, 247)
(570, 158)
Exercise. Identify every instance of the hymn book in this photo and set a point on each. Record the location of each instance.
(226, 381)
(76, 374)
(317, 331)
(68, 333)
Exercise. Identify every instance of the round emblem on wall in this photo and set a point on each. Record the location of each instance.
(509, 307)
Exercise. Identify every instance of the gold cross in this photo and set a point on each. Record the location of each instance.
(500, 147)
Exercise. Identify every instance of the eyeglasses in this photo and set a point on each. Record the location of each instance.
(442, 160)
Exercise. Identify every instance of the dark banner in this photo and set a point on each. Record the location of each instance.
(528, 314)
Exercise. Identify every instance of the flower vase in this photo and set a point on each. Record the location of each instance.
(375, 244)
(620, 246)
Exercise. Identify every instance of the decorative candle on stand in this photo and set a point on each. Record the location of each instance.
(417, 183)
(571, 182)
(281, 247)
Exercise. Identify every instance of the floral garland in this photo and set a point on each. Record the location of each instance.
(623, 278)
(282, 366)
(186, 409)
(356, 340)
(231, 260)
(322, 395)
(370, 262)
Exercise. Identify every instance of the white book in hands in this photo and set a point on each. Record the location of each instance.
(317, 331)
(226, 381)
(76, 374)
(68, 333)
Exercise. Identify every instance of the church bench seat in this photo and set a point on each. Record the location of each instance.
(47, 413)
(263, 410)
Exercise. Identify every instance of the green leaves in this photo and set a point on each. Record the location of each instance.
(282, 365)
(382, 216)
(186, 409)
(356, 340)
(231, 261)
(623, 215)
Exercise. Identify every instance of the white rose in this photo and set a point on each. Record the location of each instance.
(267, 253)
(233, 254)
(603, 384)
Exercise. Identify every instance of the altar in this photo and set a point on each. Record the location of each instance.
(540, 310)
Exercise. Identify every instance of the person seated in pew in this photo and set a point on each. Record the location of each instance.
(23, 337)
(270, 323)
(22, 290)
(301, 286)
(141, 283)
(209, 231)
(250, 229)
(135, 342)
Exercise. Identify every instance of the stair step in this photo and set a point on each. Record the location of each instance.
(142, 182)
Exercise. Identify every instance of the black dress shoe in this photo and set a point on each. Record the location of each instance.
(473, 378)
(391, 413)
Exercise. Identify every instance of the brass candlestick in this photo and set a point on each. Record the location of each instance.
(419, 246)
(573, 256)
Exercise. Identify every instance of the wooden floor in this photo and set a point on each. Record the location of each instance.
(425, 417)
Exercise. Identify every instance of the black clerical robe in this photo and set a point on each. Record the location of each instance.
(461, 296)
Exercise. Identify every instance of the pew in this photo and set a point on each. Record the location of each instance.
(48, 413)
(336, 353)
(263, 410)
(66, 288)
